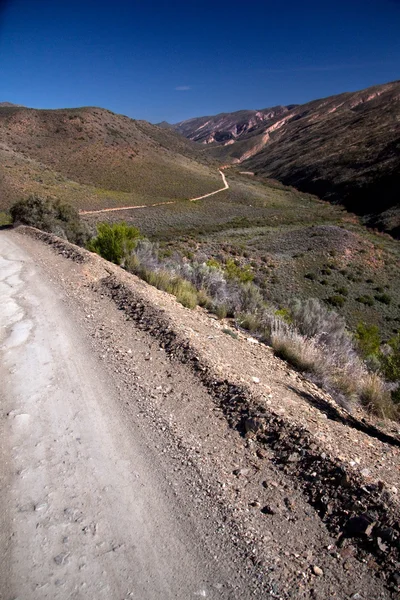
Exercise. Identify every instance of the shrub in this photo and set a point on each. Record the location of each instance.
(368, 339)
(248, 321)
(221, 310)
(295, 349)
(343, 291)
(59, 218)
(384, 298)
(375, 396)
(234, 271)
(203, 299)
(336, 300)
(114, 242)
(367, 300)
(313, 319)
(284, 314)
(250, 298)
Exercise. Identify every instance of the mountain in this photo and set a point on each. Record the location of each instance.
(94, 158)
(225, 128)
(343, 148)
(8, 104)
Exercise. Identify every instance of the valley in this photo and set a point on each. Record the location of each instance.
(343, 148)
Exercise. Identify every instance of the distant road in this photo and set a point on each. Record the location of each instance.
(105, 210)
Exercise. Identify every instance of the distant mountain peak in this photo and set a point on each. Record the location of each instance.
(10, 104)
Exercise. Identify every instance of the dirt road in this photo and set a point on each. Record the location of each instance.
(138, 206)
(86, 507)
(129, 466)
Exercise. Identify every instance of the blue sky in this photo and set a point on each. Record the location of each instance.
(174, 60)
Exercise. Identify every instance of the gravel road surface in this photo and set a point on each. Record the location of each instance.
(86, 509)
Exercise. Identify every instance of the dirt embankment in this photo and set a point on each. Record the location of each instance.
(310, 490)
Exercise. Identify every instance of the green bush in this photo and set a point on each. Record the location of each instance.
(368, 339)
(284, 314)
(367, 300)
(343, 291)
(59, 218)
(384, 298)
(337, 300)
(234, 271)
(114, 242)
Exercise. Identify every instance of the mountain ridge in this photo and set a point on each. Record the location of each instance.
(343, 148)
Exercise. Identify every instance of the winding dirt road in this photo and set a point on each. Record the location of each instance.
(105, 210)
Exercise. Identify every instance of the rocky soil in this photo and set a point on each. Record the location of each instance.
(302, 495)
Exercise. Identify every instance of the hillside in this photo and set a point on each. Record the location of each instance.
(344, 148)
(94, 158)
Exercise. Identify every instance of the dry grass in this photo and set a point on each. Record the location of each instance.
(375, 396)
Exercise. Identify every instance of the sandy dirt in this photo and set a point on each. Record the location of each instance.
(131, 468)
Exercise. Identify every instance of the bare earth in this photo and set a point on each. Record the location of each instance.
(139, 459)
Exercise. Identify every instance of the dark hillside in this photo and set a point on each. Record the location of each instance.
(344, 149)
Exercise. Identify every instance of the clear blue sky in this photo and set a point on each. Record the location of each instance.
(176, 59)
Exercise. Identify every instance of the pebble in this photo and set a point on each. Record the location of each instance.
(255, 379)
(61, 559)
(317, 571)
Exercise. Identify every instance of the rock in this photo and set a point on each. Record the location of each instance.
(255, 379)
(359, 525)
(387, 534)
(347, 552)
(61, 559)
(252, 425)
(381, 545)
(268, 484)
(396, 579)
(289, 502)
(317, 571)
(293, 457)
(239, 472)
(255, 504)
(268, 510)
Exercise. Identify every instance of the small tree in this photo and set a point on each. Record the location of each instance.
(114, 242)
